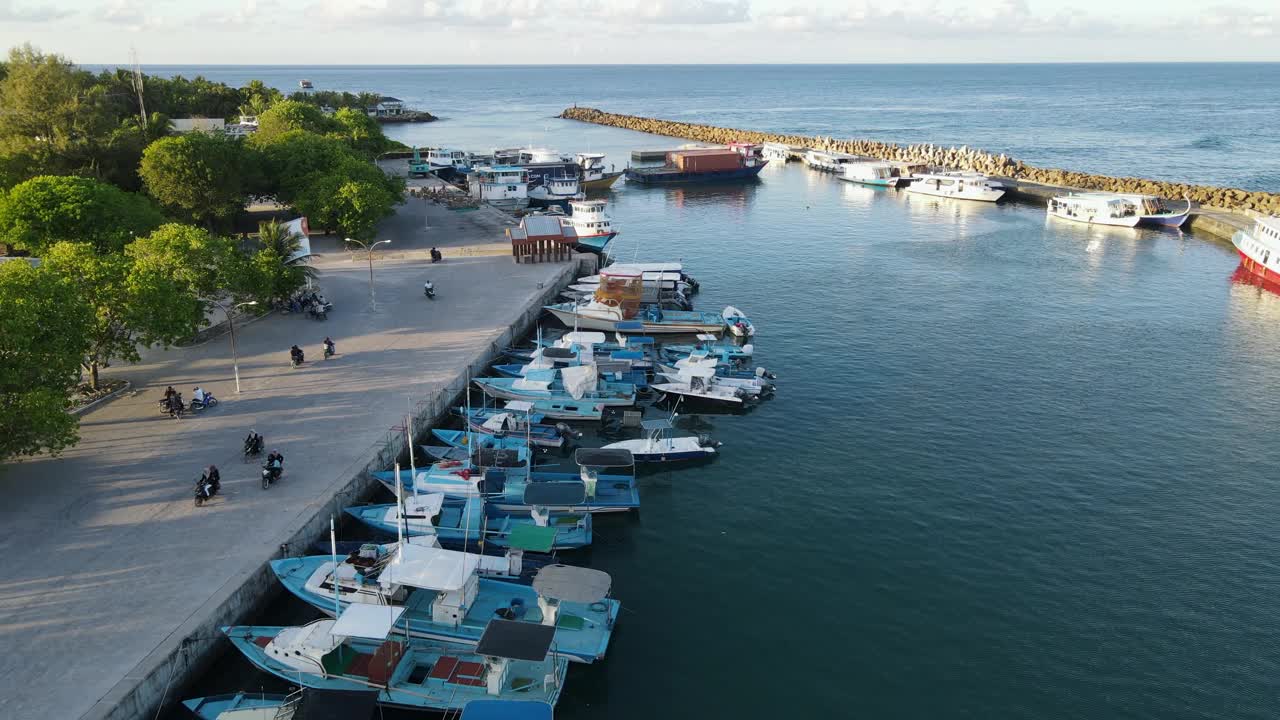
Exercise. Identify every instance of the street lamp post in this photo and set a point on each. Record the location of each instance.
(368, 250)
(231, 328)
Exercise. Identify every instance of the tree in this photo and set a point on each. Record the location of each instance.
(43, 331)
(290, 159)
(360, 132)
(274, 277)
(48, 209)
(360, 206)
(288, 115)
(198, 176)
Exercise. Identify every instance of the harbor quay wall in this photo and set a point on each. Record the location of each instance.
(962, 158)
(157, 682)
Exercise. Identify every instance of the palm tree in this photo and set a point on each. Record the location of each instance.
(283, 274)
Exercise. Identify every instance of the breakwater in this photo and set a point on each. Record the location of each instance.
(963, 158)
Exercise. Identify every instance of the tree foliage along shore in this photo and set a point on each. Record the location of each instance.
(128, 219)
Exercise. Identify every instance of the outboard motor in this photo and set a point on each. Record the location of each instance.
(705, 440)
(764, 374)
(567, 432)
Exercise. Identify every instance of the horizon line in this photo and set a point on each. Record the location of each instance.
(694, 64)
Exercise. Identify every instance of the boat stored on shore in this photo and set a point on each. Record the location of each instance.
(740, 161)
(1259, 248)
(880, 174)
(358, 652)
(957, 185)
(1096, 209)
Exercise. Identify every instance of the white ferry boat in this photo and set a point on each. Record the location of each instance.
(957, 185)
(503, 186)
(1096, 209)
(882, 174)
(1259, 248)
(828, 161)
(593, 227)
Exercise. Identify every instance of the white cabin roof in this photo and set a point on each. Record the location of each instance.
(363, 620)
(430, 568)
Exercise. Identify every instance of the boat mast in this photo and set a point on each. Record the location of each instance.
(413, 470)
(399, 510)
(333, 554)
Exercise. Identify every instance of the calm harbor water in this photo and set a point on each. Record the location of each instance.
(1015, 468)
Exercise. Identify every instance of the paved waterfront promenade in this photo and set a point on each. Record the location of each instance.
(107, 564)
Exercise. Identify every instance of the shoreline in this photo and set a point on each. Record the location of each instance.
(1243, 204)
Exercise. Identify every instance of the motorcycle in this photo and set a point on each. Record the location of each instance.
(253, 449)
(270, 474)
(296, 359)
(319, 312)
(173, 408)
(436, 255)
(429, 290)
(205, 490)
(329, 351)
(209, 401)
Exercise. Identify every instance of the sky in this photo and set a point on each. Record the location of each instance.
(431, 32)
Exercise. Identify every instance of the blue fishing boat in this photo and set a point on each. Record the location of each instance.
(616, 367)
(361, 650)
(512, 423)
(446, 598)
(510, 564)
(467, 519)
(637, 349)
(710, 345)
(213, 706)
(463, 439)
(573, 384)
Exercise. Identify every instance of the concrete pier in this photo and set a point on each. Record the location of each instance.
(115, 584)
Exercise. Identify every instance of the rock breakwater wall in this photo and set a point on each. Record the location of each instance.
(963, 158)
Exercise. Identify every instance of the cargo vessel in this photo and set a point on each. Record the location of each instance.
(739, 161)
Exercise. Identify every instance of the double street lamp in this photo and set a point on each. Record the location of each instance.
(368, 251)
(231, 328)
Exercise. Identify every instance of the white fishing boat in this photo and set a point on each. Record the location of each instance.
(828, 161)
(778, 152)
(531, 155)
(881, 174)
(1259, 248)
(957, 185)
(594, 177)
(617, 306)
(657, 446)
(551, 190)
(1155, 211)
(698, 383)
(591, 224)
(1096, 209)
(503, 186)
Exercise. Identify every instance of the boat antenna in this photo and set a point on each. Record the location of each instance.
(333, 554)
(413, 470)
(400, 521)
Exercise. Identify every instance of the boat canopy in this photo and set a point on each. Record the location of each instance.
(428, 505)
(334, 705)
(532, 538)
(660, 424)
(430, 568)
(707, 338)
(515, 640)
(523, 406)
(506, 710)
(572, 584)
(573, 492)
(600, 457)
(579, 380)
(362, 620)
(583, 338)
(693, 371)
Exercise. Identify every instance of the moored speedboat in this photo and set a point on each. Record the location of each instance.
(446, 599)
(237, 706)
(1096, 209)
(1259, 248)
(455, 521)
(579, 383)
(738, 323)
(658, 446)
(881, 174)
(504, 422)
(698, 383)
(362, 650)
(957, 185)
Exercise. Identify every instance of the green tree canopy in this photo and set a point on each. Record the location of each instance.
(359, 207)
(273, 279)
(198, 176)
(43, 339)
(360, 132)
(48, 209)
(288, 115)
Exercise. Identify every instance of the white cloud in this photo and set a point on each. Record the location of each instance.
(132, 14)
(42, 13)
(672, 12)
(927, 19)
(522, 13)
(248, 14)
(1240, 21)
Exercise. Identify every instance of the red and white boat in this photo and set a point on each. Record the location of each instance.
(1259, 248)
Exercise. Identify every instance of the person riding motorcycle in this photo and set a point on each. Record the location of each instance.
(295, 354)
(213, 477)
(329, 348)
(436, 256)
(198, 396)
(428, 289)
(253, 443)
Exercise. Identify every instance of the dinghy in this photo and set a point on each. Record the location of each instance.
(364, 649)
(447, 599)
(737, 322)
(658, 446)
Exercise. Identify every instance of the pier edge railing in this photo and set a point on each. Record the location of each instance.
(961, 158)
(193, 647)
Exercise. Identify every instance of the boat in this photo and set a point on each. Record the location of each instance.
(506, 710)
(616, 306)
(957, 185)
(238, 706)
(698, 384)
(1259, 248)
(739, 161)
(778, 152)
(1096, 209)
(880, 174)
(550, 190)
(532, 156)
(1155, 211)
(361, 650)
(447, 600)
(506, 421)
(591, 225)
(579, 383)
(710, 345)
(618, 367)
(593, 175)
(690, 284)
(566, 409)
(834, 162)
(465, 520)
(306, 85)
(502, 186)
(510, 564)
(751, 385)
(738, 323)
(658, 446)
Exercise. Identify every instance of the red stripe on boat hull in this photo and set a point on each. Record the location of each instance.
(1258, 268)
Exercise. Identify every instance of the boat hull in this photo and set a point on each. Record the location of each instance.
(568, 537)
(595, 243)
(504, 392)
(1169, 220)
(984, 196)
(601, 184)
(586, 322)
(212, 706)
(1131, 221)
(874, 182)
(673, 177)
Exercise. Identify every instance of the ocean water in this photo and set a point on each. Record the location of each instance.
(1016, 468)
(1204, 123)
